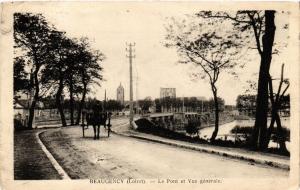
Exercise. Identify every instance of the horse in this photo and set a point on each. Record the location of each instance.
(96, 119)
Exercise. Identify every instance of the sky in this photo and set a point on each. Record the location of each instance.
(110, 27)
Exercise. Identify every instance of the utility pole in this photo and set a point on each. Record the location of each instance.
(130, 55)
(136, 94)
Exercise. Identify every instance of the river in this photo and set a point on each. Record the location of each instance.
(226, 128)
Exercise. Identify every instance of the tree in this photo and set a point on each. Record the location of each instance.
(262, 95)
(21, 81)
(49, 102)
(91, 103)
(31, 36)
(246, 102)
(167, 103)
(72, 76)
(202, 44)
(158, 105)
(113, 105)
(56, 62)
(61, 52)
(221, 103)
(263, 27)
(277, 101)
(193, 103)
(89, 70)
(145, 104)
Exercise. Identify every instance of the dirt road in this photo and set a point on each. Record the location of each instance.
(123, 157)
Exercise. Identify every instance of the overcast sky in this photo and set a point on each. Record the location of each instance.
(110, 27)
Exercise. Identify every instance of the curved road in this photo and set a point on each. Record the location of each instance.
(125, 157)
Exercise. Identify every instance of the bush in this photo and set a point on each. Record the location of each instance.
(243, 130)
(152, 128)
(146, 126)
(285, 134)
(247, 130)
(193, 126)
(143, 124)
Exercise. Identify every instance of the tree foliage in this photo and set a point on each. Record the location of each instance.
(31, 36)
(58, 63)
(209, 45)
(21, 80)
(261, 26)
(145, 104)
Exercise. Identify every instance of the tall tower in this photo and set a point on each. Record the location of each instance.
(120, 94)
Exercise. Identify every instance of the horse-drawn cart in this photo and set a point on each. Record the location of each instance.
(96, 120)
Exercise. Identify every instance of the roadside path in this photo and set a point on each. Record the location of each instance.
(30, 161)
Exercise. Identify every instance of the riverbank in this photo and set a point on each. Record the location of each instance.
(225, 131)
(144, 126)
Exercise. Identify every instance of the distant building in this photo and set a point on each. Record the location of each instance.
(201, 98)
(21, 111)
(167, 92)
(120, 94)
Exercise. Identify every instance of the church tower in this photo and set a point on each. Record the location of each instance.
(120, 94)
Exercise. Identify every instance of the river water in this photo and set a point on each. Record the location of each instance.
(224, 130)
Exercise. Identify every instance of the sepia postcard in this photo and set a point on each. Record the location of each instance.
(149, 95)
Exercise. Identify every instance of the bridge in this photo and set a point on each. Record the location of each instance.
(172, 116)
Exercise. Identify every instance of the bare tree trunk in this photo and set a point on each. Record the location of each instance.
(216, 105)
(261, 106)
(81, 104)
(59, 103)
(35, 98)
(270, 130)
(280, 135)
(279, 131)
(31, 114)
(274, 108)
(260, 128)
(275, 116)
(71, 101)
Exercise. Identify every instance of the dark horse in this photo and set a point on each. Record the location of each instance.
(96, 119)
